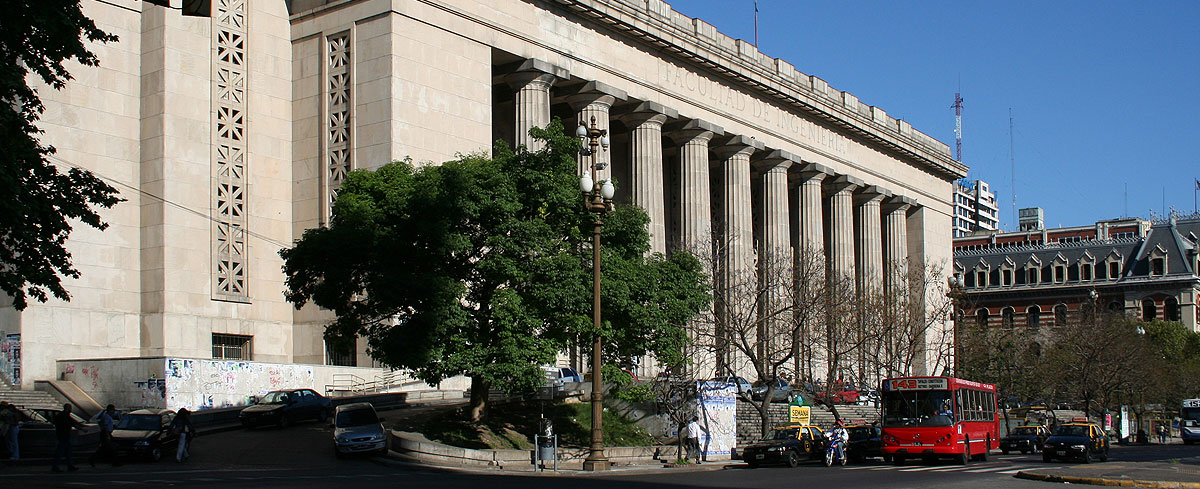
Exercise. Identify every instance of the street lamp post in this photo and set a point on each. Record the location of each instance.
(597, 197)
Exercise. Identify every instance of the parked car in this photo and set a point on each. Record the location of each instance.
(357, 429)
(1077, 440)
(284, 407)
(782, 393)
(744, 387)
(145, 433)
(1026, 439)
(557, 376)
(865, 441)
(788, 445)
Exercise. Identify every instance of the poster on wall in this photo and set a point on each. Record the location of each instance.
(205, 384)
(10, 358)
(717, 408)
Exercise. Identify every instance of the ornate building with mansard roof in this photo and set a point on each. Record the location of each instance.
(229, 125)
(1144, 269)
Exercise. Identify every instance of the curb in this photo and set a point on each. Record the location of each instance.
(1099, 481)
(394, 458)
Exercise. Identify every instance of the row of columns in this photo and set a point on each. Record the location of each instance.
(867, 224)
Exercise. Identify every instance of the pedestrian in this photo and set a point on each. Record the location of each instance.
(14, 428)
(182, 426)
(1163, 433)
(106, 451)
(5, 420)
(64, 424)
(693, 439)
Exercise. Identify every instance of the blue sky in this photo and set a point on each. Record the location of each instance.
(1103, 94)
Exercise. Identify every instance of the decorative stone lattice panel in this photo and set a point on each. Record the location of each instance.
(229, 150)
(338, 157)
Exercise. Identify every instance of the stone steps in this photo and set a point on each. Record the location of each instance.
(28, 399)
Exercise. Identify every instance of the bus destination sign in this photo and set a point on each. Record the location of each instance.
(1191, 403)
(917, 384)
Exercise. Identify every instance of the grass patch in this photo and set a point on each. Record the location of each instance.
(511, 425)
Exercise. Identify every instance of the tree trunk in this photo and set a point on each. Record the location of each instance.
(479, 397)
(764, 414)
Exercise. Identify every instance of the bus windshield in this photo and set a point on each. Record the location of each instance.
(1191, 416)
(915, 408)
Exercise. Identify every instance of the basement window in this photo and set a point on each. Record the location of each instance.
(232, 346)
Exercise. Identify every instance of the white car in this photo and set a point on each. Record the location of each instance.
(357, 429)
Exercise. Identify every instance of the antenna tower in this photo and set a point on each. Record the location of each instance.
(958, 106)
(1012, 166)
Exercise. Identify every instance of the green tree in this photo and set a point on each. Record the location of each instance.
(481, 266)
(36, 200)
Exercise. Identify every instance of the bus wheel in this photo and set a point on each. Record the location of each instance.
(982, 457)
(965, 456)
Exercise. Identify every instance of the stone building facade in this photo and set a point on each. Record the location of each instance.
(229, 132)
(1041, 278)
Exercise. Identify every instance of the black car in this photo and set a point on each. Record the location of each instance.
(145, 433)
(1083, 441)
(865, 441)
(1025, 439)
(284, 407)
(788, 445)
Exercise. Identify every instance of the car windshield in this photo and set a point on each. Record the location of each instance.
(1072, 431)
(915, 408)
(789, 434)
(356, 417)
(1025, 431)
(275, 398)
(140, 422)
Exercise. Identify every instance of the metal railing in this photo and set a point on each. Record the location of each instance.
(346, 384)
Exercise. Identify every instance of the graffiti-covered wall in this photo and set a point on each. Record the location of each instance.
(717, 409)
(10, 358)
(197, 383)
(205, 384)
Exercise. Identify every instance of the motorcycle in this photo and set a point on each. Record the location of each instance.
(834, 450)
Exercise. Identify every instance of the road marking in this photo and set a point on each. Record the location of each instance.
(920, 469)
(987, 469)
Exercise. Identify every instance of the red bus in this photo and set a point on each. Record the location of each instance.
(935, 417)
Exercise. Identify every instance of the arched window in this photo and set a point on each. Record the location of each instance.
(1115, 307)
(1006, 317)
(1060, 315)
(1033, 316)
(1149, 309)
(1171, 309)
(981, 317)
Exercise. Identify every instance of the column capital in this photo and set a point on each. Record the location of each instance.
(813, 171)
(776, 160)
(870, 193)
(844, 183)
(530, 70)
(595, 92)
(634, 115)
(898, 203)
(737, 145)
(695, 129)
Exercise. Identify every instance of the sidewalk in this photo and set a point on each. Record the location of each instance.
(1124, 474)
(567, 469)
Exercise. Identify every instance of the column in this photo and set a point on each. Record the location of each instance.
(895, 239)
(737, 279)
(695, 199)
(593, 101)
(775, 250)
(532, 80)
(841, 217)
(646, 178)
(870, 238)
(737, 227)
(811, 224)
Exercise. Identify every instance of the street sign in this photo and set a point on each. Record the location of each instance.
(799, 414)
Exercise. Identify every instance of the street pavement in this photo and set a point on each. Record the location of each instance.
(302, 456)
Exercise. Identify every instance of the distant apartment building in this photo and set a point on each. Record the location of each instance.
(1050, 277)
(974, 208)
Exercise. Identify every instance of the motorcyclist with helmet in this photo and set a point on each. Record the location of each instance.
(838, 439)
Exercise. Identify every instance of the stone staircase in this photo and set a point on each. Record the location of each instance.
(28, 399)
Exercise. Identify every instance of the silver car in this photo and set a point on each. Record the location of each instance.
(357, 429)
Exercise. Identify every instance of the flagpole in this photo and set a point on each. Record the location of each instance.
(755, 23)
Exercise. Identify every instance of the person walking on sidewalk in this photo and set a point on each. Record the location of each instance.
(182, 426)
(693, 439)
(14, 428)
(106, 452)
(64, 424)
(1163, 433)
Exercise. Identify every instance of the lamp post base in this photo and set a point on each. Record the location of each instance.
(596, 465)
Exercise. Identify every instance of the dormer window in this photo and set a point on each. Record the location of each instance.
(1006, 278)
(1060, 274)
(981, 278)
(1158, 261)
(1085, 272)
(1114, 270)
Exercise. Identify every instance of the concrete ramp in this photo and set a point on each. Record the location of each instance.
(67, 391)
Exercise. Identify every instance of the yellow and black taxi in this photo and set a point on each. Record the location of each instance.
(1025, 439)
(787, 445)
(1078, 439)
